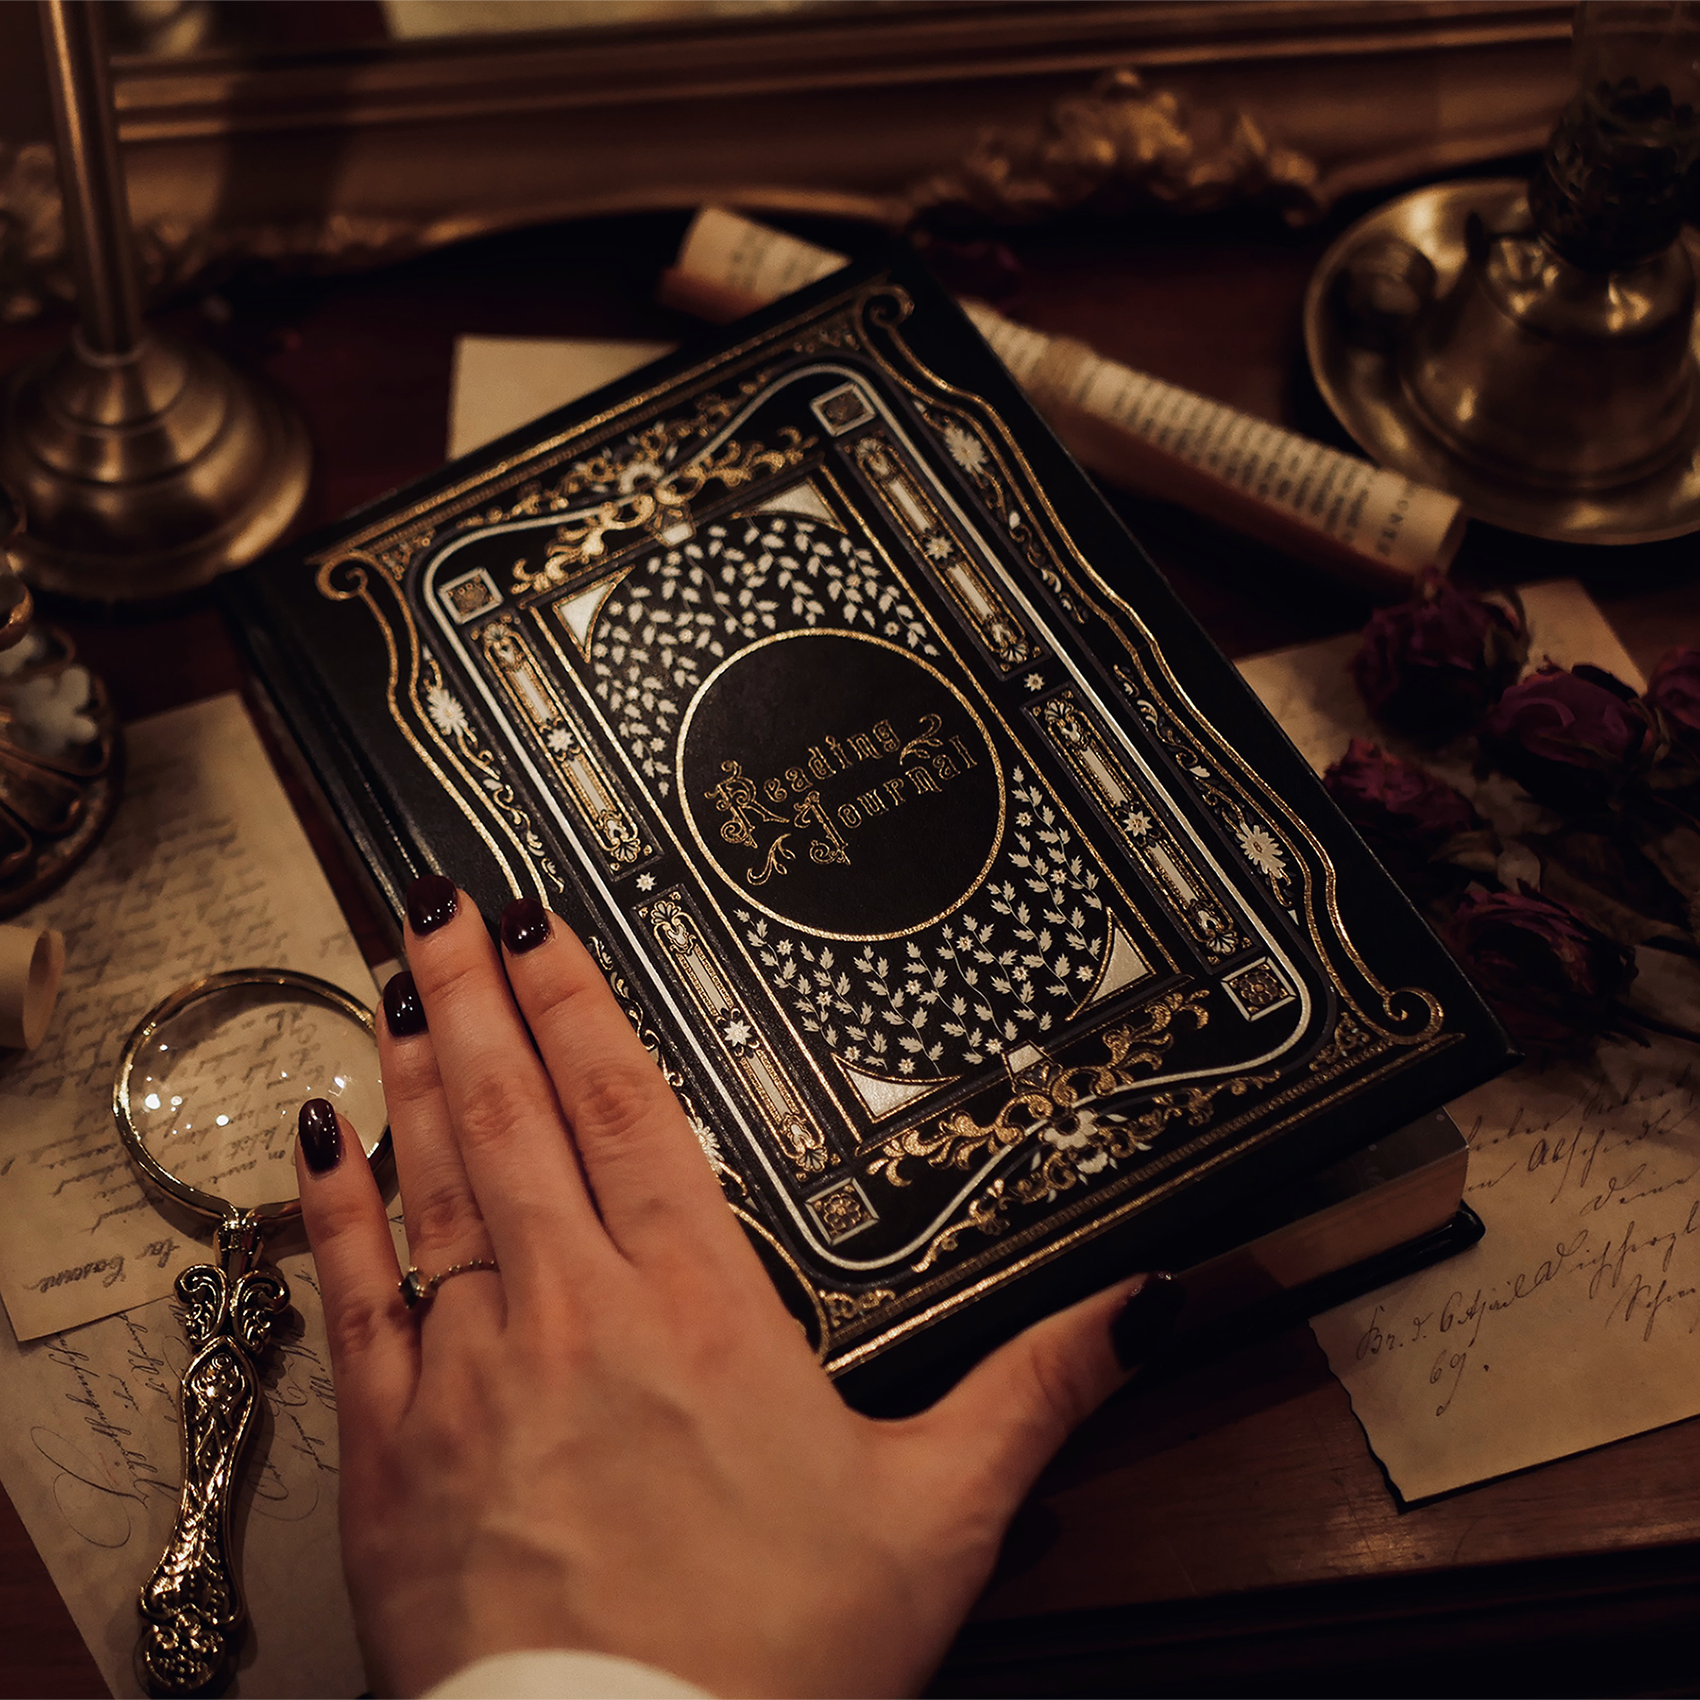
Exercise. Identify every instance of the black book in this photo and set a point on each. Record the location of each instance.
(994, 938)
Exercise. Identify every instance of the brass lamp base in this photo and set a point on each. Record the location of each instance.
(1363, 379)
(145, 475)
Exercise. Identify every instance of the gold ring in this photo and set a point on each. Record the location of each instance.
(416, 1289)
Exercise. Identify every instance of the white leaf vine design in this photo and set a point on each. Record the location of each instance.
(684, 610)
(976, 984)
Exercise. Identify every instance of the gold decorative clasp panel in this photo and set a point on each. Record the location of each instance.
(599, 807)
(794, 1131)
(1205, 914)
(989, 616)
(651, 491)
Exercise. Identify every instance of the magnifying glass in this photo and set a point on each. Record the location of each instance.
(208, 1091)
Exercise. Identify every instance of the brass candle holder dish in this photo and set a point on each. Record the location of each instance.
(1533, 349)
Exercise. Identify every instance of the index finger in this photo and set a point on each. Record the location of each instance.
(501, 1103)
(654, 1187)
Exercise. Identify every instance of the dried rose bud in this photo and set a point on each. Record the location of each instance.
(1550, 977)
(1675, 693)
(1382, 794)
(1410, 819)
(1433, 666)
(1570, 736)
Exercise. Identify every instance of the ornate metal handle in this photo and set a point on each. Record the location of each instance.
(192, 1606)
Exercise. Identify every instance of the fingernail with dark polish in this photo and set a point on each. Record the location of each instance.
(404, 1014)
(525, 925)
(1147, 1319)
(321, 1138)
(430, 903)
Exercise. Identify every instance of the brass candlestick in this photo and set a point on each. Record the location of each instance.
(146, 465)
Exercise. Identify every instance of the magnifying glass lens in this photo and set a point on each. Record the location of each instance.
(216, 1090)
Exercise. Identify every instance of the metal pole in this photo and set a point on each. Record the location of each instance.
(97, 199)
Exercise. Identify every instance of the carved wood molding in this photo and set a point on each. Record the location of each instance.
(994, 112)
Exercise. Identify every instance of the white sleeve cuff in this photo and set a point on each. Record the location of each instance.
(560, 1674)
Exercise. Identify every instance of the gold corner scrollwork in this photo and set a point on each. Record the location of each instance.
(414, 675)
(1048, 1098)
(843, 1309)
(646, 487)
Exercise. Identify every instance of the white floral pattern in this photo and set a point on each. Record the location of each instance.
(965, 448)
(972, 986)
(1261, 850)
(445, 710)
(682, 612)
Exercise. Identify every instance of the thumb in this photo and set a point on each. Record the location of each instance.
(1009, 1414)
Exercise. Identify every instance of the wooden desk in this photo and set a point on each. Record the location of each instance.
(1228, 1531)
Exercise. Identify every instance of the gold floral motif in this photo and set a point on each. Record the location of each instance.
(645, 487)
(398, 553)
(1350, 1041)
(844, 1308)
(1078, 1143)
(988, 1214)
(838, 332)
(1047, 1095)
(842, 1211)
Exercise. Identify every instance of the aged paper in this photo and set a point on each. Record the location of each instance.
(1576, 1320)
(89, 1456)
(502, 382)
(205, 868)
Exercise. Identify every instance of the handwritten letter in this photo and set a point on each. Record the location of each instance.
(205, 868)
(1576, 1320)
(89, 1455)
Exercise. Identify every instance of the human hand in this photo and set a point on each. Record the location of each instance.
(620, 1441)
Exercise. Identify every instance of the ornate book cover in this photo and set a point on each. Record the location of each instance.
(989, 931)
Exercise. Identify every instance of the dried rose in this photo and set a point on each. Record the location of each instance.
(1550, 977)
(1570, 736)
(1674, 697)
(1433, 666)
(1675, 692)
(1410, 819)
